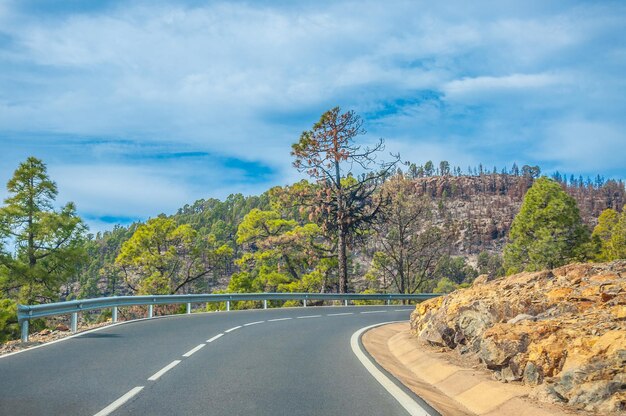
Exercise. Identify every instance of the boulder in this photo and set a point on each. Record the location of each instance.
(498, 346)
(481, 280)
(521, 317)
(562, 330)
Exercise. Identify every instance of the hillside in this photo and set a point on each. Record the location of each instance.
(481, 207)
(484, 206)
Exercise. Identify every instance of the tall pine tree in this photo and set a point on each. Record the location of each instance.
(344, 204)
(547, 232)
(47, 243)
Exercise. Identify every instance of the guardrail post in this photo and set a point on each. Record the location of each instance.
(188, 308)
(25, 330)
(388, 302)
(74, 322)
(305, 303)
(150, 311)
(114, 314)
(264, 303)
(345, 302)
(227, 305)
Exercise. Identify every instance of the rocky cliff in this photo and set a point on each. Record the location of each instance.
(563, 331)
(483, 207)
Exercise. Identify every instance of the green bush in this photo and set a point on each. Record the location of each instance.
(292, 304)
(445, 285)
(9, 328)
(104, 316)
(368, 302)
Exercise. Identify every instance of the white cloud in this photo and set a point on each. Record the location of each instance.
(502, 84)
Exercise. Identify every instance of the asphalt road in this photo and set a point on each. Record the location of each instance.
(295, 361)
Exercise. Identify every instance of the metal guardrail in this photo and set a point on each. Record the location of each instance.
(73, 307)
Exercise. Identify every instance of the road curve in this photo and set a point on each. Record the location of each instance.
(262, 362)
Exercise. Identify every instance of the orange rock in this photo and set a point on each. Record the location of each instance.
(584, 305)
(548, 354)
(610, 343)
(573, 271)
(579, 352)
(619, 311)
(481, 280)
(428, 305)
(590, 291)
(558, 294)
(604, 277)
(576, 334)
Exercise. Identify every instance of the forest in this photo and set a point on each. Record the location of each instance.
(357, 223)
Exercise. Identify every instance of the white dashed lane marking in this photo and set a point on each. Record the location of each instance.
(232, 329)
(113, 406)
(253, 323)
(309, 316)
(278, 319)
(374, 312)
(340, 314)
(164, 370)
(193, 350)
(214, 338)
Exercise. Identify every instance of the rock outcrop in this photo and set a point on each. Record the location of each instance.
(484, 206)
(562, 330)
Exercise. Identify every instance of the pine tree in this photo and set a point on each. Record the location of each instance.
(429, 168)
(344, 204)
(610, 235)
(514, 170)
(548, 231)
(48, 243)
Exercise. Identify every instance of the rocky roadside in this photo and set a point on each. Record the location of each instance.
(561, 331)
(44, 336)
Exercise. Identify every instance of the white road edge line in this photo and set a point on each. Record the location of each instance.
(374, 312)
(253, 323)
(193, 350)
(113, 406)
(158, 374)
(214, 338)
(410, 405)
(308, 316)
(232, 329)
(278, 319)
(340, 314)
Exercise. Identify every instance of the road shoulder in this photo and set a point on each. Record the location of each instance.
(449, 388)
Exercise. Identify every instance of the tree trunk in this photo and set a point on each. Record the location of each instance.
(343, 262)
(290, 268)
(342, 258)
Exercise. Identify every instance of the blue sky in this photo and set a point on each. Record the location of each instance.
(141, 107)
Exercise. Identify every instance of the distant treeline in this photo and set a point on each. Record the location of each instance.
(445, 169)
